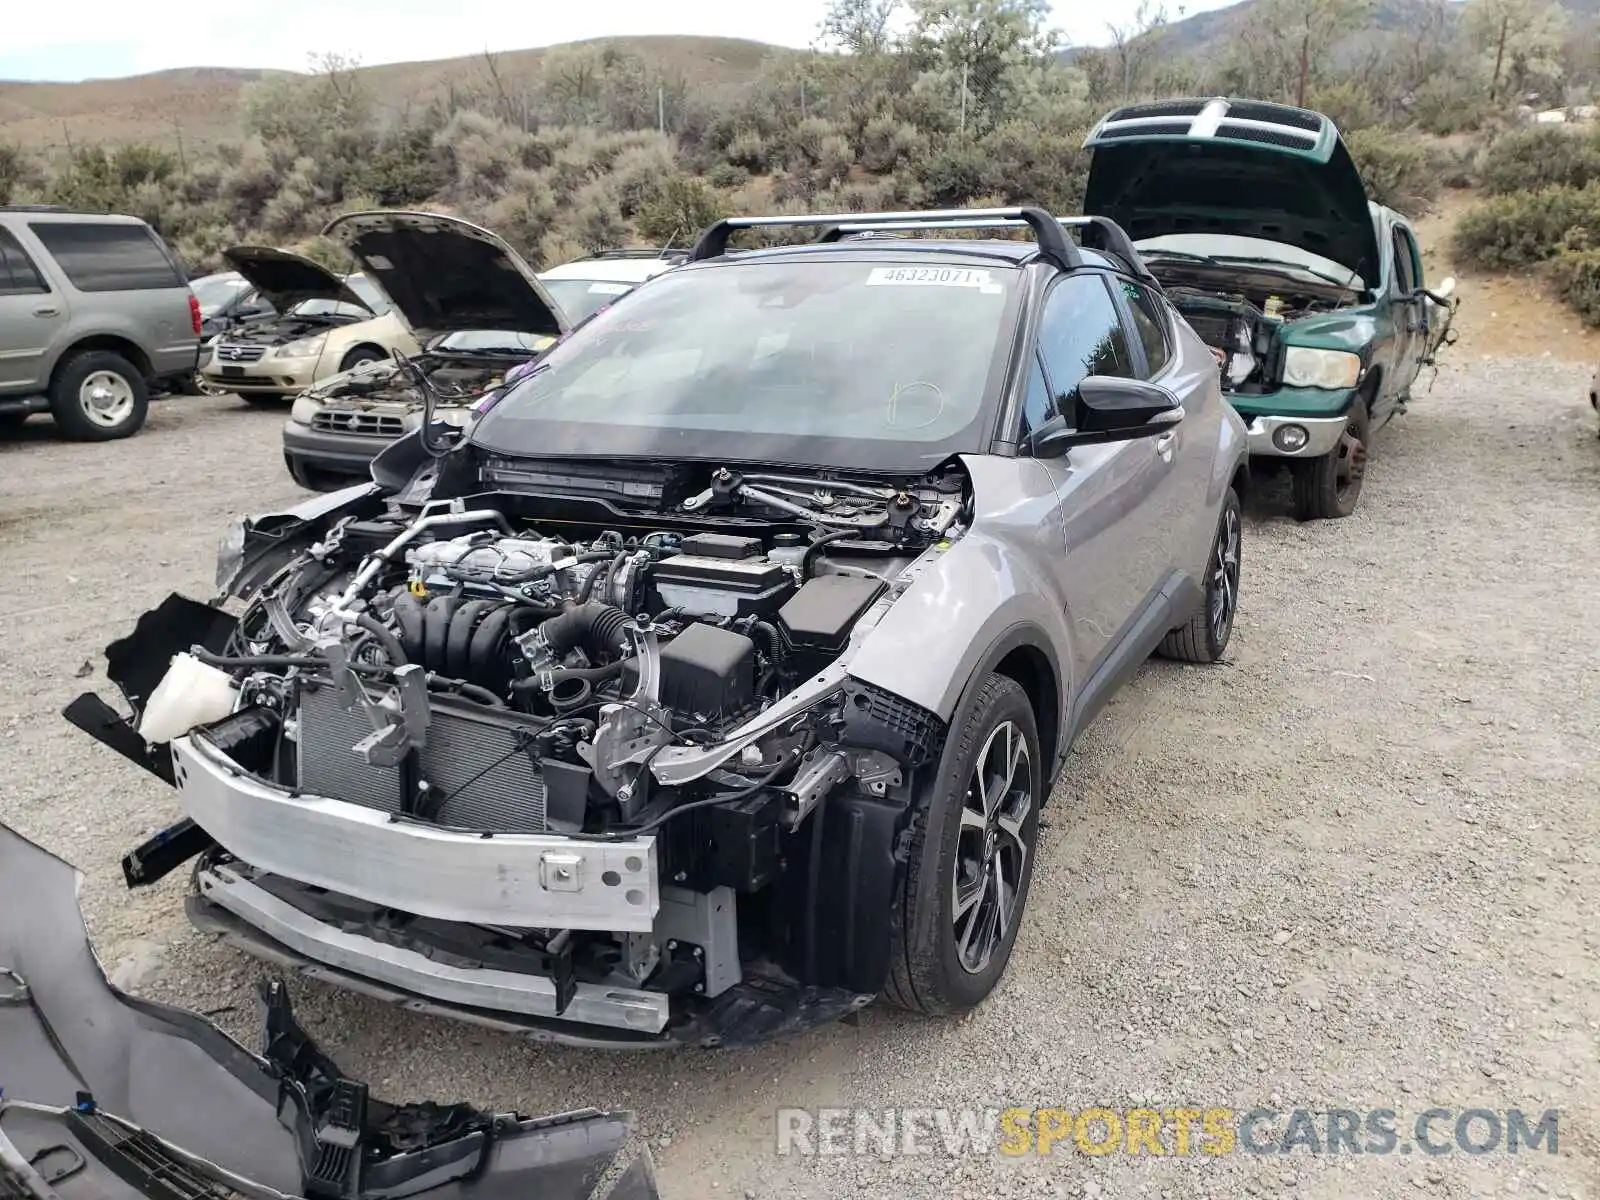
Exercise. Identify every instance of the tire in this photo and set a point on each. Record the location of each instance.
(98, 396)
(927, 973)
(189, 385)
(361, 354)
(1204, 637)
(1328, 487)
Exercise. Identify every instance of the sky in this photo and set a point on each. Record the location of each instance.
(102, 39)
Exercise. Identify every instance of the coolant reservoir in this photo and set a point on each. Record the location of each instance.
(1273, 307)
(190, 693)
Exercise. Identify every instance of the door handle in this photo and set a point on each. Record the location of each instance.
(1165, 443)
(47, 310)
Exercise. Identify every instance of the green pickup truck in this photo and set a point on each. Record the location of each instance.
(1311, 297)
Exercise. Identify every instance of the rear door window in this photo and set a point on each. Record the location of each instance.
(107, 257)
(18, 275)
(1150, 323)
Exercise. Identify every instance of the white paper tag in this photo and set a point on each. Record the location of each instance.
(932, 277)
(610, 289)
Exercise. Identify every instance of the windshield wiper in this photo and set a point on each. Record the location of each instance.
(1284, 268)
(1177, 256)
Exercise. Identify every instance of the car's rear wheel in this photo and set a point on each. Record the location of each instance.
(98, 395)
(971, 857)
(1204, 637)
(1329, 486)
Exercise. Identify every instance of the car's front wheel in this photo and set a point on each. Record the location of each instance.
(971, 857)
(1330, 486)
(98, 395)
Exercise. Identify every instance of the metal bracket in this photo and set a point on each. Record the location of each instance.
(399, 720)
(820, 772)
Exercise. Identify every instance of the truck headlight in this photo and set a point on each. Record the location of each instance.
(301, 347)
(1305, 367)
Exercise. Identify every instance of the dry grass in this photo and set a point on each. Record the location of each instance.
(201, 104)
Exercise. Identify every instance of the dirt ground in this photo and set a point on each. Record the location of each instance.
(1357, 866)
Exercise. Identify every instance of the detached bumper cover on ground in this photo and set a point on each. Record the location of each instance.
(126, 1098)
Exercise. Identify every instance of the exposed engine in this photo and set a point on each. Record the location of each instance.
(468, 670)
(456, 380)
(1242, 330)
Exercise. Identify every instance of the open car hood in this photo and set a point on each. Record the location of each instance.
(446, 274)
(286, 279)
(1240, 167)
(109, 1097)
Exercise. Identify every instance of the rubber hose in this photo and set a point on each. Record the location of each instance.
(386, 639)
(587, 674)
(827, 539)
(593, 625)
(575, 694)
(544, 570)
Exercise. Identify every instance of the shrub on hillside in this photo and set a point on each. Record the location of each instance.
(1526, 229)
(1396, 168)
(1541, 156)
(680, 208)
(1576, 274)
(952, 175)
(1023, 164)
(1448, 102)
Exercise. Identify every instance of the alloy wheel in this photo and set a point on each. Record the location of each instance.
(991, 854)
(106, 398)
(1225, 576)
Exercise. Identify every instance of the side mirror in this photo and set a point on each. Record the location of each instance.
(1108, 409)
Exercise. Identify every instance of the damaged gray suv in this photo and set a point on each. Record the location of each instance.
(710, 684)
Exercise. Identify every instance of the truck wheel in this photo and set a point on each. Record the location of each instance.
(971, 857)
(1330, 486)
(98, 396)
(1204, 638)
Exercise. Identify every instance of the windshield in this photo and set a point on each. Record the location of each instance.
(361, 286)
(848, 361)
(491, 341)
(1233, 248)
(216, 291)
(580, 299)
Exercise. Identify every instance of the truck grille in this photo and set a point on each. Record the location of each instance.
(369, 424)
(233, 352)
(482, 762)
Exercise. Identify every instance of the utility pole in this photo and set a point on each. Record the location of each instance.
(1305, 68)
(1499, 57)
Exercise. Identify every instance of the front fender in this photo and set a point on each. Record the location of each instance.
(255, 547)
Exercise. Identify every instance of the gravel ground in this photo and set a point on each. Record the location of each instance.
(1355, 867)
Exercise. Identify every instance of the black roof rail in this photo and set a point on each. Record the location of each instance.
(639, 252)
(1109, 236)
(1114, 239)
(1053, 241)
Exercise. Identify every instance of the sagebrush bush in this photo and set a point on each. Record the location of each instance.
(1542, 156)
(680, 207)
(1576, 275)
(1527, 229)
(952, 175)
(1397, 169)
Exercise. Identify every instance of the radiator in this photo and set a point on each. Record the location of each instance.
(482, 760)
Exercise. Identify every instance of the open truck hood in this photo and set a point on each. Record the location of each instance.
(286, 279)
(1239, 167)
(109, 1097)
(445, 274)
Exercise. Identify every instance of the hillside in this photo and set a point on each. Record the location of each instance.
(1209, 32)
(201, 104)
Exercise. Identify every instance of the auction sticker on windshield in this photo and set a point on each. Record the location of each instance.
(932, 277)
